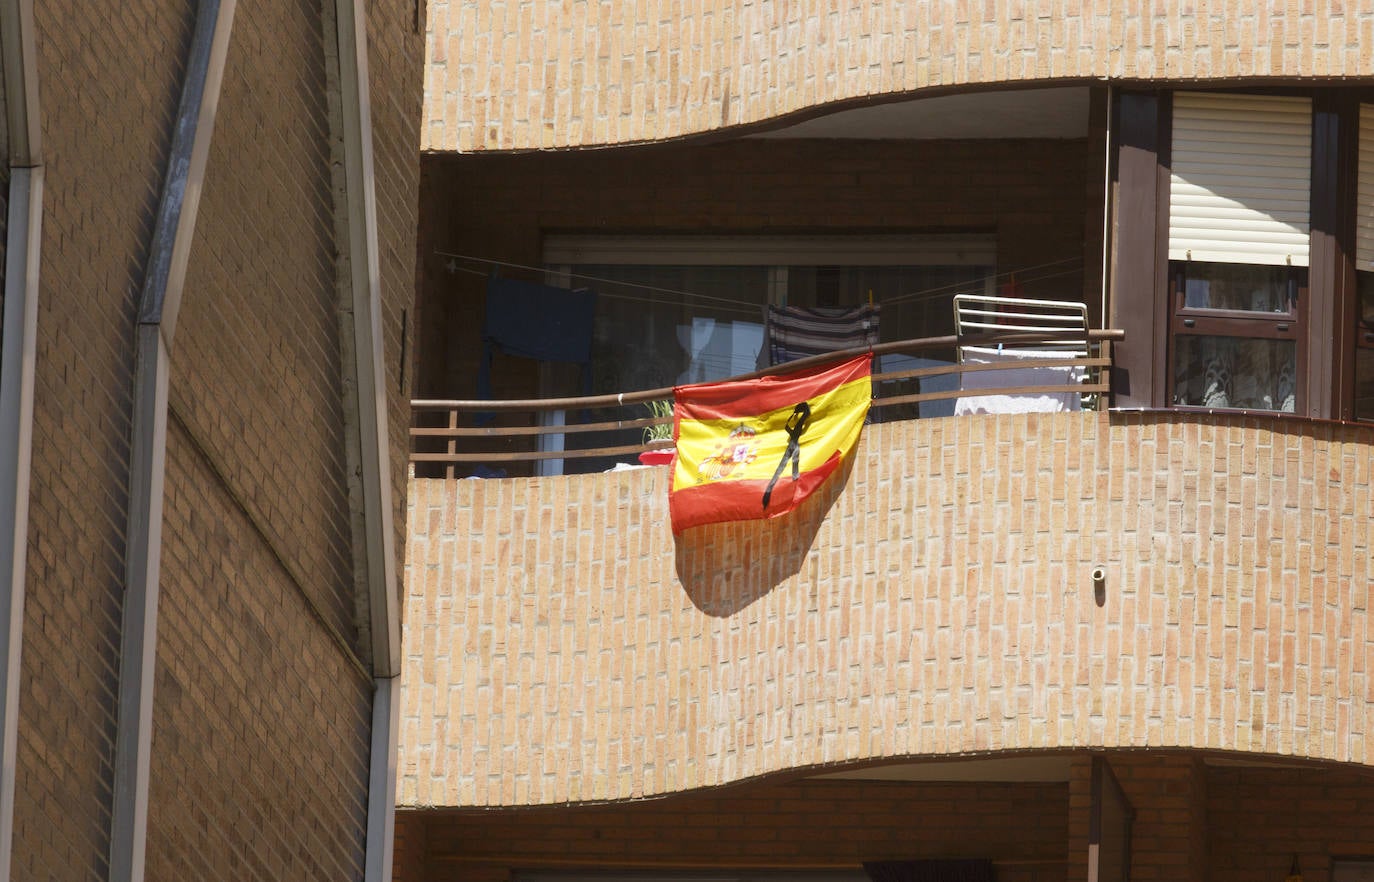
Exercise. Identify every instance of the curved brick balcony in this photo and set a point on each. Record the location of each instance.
(561, 647)
(521, 76)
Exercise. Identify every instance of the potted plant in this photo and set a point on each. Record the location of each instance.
(658, 439)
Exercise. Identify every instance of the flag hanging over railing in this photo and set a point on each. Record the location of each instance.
(756, 448)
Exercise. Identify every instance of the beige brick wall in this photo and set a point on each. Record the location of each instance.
(560, 646)
(560, 73)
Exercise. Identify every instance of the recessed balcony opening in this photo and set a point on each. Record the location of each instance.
(670, 259)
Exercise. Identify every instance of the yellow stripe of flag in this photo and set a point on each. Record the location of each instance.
(751, 448)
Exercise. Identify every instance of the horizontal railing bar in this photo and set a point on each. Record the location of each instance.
(945, 370)
(729, 864)
(915, 397)
(623, 398)
(570, 429)
(645, 422)
(518, 456)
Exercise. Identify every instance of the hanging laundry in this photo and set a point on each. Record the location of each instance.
(536, 321)
(797, 332)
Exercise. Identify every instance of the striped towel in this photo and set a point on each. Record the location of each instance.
(796, 332)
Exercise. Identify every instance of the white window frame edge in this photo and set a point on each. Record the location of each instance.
(365, 371)
(159, 305)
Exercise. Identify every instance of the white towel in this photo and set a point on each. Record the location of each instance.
(1049, 402)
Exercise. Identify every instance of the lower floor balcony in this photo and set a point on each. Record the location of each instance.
(1033, 817)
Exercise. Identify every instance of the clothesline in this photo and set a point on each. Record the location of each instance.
(584, 276)
(733, 305)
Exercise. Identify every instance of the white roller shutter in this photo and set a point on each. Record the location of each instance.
(1240, 188)
(1364, 217)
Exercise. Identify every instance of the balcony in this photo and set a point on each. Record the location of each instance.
(970, 584)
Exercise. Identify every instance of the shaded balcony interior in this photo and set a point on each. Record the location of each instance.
(901, 206)
(1226, 234)
(1031, 817)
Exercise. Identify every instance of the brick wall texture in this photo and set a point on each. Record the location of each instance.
(1029, 195)
(508, 75)
(562, 647)
(105, 152)
(261, 718)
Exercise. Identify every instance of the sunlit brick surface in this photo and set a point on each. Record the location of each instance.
(560, 646)
(554, 73)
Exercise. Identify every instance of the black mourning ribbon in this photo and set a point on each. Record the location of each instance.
(796, 425)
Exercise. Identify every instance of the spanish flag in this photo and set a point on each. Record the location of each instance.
(757, 448)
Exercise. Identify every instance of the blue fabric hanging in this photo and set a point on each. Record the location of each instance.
(536, 321)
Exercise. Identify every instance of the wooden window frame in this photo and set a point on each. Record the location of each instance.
(1186, 321)
(1326, 321)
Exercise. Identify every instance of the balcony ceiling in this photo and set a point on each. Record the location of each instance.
(1024, 113)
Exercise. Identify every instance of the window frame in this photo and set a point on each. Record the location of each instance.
(1174, 319)
(1326, 317)
(1192, 321)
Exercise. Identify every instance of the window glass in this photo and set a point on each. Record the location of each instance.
(1235, 372)
(1364, 348)
(1235, 332)
(665, 325)
(1364, 384)
(1234, 286)
(659, 326)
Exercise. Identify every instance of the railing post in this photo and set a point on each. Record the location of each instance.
(1104, 399)
(450, 469)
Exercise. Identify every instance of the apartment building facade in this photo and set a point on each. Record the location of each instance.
(1125, 639)
(208, 263)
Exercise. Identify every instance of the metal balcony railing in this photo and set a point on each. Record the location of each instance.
(486, 437)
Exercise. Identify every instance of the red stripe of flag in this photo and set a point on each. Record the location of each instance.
(747, 399)
(743, 500)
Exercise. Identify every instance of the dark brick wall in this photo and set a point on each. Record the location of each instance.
(262, 719)
(4, 222)
(811, 824)
(263, 699)
(109, 90)
(395, 54)
(1259, 818)
(1193, 820)
(256, 363)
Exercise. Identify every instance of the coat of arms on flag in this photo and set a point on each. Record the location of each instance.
(757, 448)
